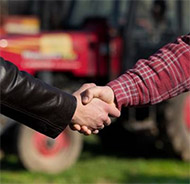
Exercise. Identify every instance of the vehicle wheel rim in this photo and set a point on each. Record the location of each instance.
(51, 147)
(187, 112)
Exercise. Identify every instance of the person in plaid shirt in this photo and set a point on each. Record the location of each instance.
(164, 75)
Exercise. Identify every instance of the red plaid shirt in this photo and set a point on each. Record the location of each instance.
(164, 75)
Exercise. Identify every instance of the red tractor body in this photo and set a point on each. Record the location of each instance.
(107, 41)
(81, 53)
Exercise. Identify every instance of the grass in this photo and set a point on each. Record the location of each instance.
(96, 167)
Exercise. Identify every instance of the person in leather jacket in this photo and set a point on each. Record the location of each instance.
(45, 108)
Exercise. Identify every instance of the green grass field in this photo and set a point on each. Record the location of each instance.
(102, 169)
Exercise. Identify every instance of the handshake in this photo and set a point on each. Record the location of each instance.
(94, 105)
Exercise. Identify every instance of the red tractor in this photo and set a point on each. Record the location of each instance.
(101, 39)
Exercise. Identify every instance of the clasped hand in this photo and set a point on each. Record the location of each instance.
(94, 105)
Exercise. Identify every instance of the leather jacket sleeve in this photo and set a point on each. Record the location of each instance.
(34, 103)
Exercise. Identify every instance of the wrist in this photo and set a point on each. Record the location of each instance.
(74, 117)
(111, 91)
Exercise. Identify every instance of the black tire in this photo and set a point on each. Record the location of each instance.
(176, 125)
(35, 160)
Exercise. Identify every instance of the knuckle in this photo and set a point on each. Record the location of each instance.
(105, 117)
(100, 124)
(92, 84)
(108, 122)
(85, 85)
(88, 85)
(106, 107)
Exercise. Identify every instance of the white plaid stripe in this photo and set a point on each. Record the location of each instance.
(140, 85)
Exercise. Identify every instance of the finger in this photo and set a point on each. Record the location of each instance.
(83, 88)
(100, 128)
(75, 127)
(107, 122)
(86, 130)
(90, 93)
(89, 132)
(113, 111)
(95, 131)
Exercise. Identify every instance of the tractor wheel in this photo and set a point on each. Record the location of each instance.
(38, 152)
(178, 125)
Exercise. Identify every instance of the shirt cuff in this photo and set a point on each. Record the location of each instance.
(114, 85)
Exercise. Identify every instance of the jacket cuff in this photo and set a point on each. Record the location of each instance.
(68, 109)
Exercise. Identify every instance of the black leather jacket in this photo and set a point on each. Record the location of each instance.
(34, 103)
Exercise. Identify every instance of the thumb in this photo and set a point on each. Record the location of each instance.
(89, 94)
(85, 86)
(113, 111)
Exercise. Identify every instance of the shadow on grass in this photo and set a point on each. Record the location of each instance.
(93, 147)
(11, 163)
(155, 179)
(124, 150)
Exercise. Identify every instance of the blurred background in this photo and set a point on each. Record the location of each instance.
(68, 43)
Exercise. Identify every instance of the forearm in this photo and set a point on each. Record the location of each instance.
(33, 102)
(164, 75)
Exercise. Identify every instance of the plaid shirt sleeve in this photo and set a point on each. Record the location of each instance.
(164, 75)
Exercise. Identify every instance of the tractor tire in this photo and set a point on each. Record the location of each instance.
(40, 153)
(178, 125)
